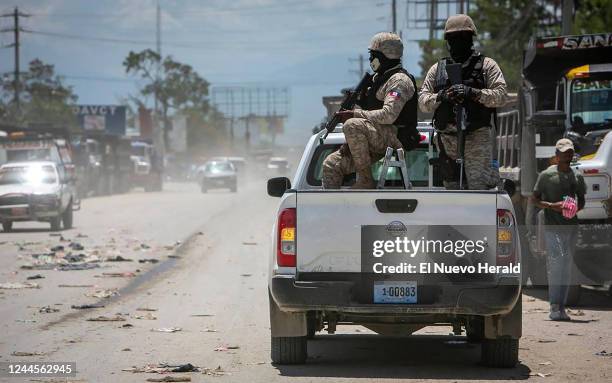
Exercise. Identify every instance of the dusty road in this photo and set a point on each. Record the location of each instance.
(213, 287)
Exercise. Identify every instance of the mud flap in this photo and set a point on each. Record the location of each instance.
(508, 325)
(286, 324)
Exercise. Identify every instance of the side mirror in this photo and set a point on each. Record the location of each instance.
(277, 186)
(509, 186)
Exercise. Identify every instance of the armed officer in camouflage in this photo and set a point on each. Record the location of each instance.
(386, 117)
(483, 89)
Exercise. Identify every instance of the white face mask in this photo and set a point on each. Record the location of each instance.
(375, 64)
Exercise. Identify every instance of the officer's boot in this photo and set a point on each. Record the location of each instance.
(364, 179)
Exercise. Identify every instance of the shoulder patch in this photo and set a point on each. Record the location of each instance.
(395, 94)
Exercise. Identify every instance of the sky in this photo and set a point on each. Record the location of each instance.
(302, 45)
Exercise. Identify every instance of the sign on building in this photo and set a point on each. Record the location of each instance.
(101, 118)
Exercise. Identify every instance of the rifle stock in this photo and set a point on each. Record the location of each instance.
(347, 104)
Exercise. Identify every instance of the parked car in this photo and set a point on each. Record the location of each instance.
(218, 175)
(36, 191)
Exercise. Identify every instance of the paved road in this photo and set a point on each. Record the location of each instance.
(213, 287)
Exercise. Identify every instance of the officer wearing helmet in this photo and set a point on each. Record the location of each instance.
(482, 90)
(385, 117)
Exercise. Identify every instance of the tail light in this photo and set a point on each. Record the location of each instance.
(506, 238)
(285, 249)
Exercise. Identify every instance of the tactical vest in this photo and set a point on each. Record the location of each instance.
(476, 114)
(406, 122)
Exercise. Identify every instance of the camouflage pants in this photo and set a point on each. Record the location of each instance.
(367, 143)
(477, 162)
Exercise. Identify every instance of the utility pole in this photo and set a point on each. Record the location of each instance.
(160, 134)
(16, 80)
(567, 16)
(394, 15)
(361, 61)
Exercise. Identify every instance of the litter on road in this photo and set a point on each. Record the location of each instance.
(26, 353)
(87, 306)
(148, 260)
(102, 294)
(36, 276)
(147, 316)
(17, 285)
(118, 258)
(103, 318)
(47, 310)
(167, 329)
(170, 379)
(163, 368)
(145, 309)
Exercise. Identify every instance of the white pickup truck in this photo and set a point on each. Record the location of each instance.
(323, 272)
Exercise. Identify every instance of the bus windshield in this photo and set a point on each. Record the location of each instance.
(591, 101)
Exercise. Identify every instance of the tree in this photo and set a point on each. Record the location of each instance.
(177, 86)
(44, 98)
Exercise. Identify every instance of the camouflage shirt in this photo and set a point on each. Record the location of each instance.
(493, 96)
(394, 94)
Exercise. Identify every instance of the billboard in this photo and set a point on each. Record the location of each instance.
(101, 118)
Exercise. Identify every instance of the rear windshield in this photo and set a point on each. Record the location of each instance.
(417, 162)
(215, 167)
(28, 175)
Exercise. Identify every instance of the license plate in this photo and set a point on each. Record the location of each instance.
(19, 211)
(395, 292)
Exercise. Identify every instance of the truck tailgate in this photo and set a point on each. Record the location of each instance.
(330, 224)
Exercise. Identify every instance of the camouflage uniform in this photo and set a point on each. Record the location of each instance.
(370, 132)
(478, 143)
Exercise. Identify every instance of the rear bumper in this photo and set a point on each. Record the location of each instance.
(340, 296)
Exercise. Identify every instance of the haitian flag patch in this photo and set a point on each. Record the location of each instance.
(394, 94)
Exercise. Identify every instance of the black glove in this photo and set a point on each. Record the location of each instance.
(443, 95)
(459, 92)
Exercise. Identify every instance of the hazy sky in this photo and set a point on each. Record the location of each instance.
(305, 45)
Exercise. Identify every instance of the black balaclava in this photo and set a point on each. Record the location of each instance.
(460, 45)
(380, 63)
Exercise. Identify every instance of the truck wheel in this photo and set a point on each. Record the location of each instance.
(502, 352)
(289, 350)
(56, 223)
(573, 295)
(67, 216)
(474, 330)
(7, 226)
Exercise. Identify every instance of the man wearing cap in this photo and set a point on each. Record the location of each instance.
(559, 191)
(482, 90)
(386, 117)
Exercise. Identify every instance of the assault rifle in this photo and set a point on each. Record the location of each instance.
(350, 99)
(454, 76)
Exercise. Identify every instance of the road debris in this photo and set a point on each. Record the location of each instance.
(17, 285)
(540, 374)
(163, 368)
(167, 329)
(102, 294)
(227, 348)
(603, 353)
(35, 276)
(127, 325)
(76, 285)
(547, 363)
(546, 341)
(103, 318)
(127, 274)
(209, 330)
(145, 309)
(214, 371)
(87, 306)
(202, 315)
(47, 310)
(148, 260)
(26, 353)
(118, 258)
(126, 349)
(246, 275)
(76, 246)
(170, 379)
(147, 316)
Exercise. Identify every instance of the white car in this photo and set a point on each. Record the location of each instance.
(349, 256)
(36, 191)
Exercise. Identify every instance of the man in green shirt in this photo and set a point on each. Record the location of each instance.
(560, 192)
